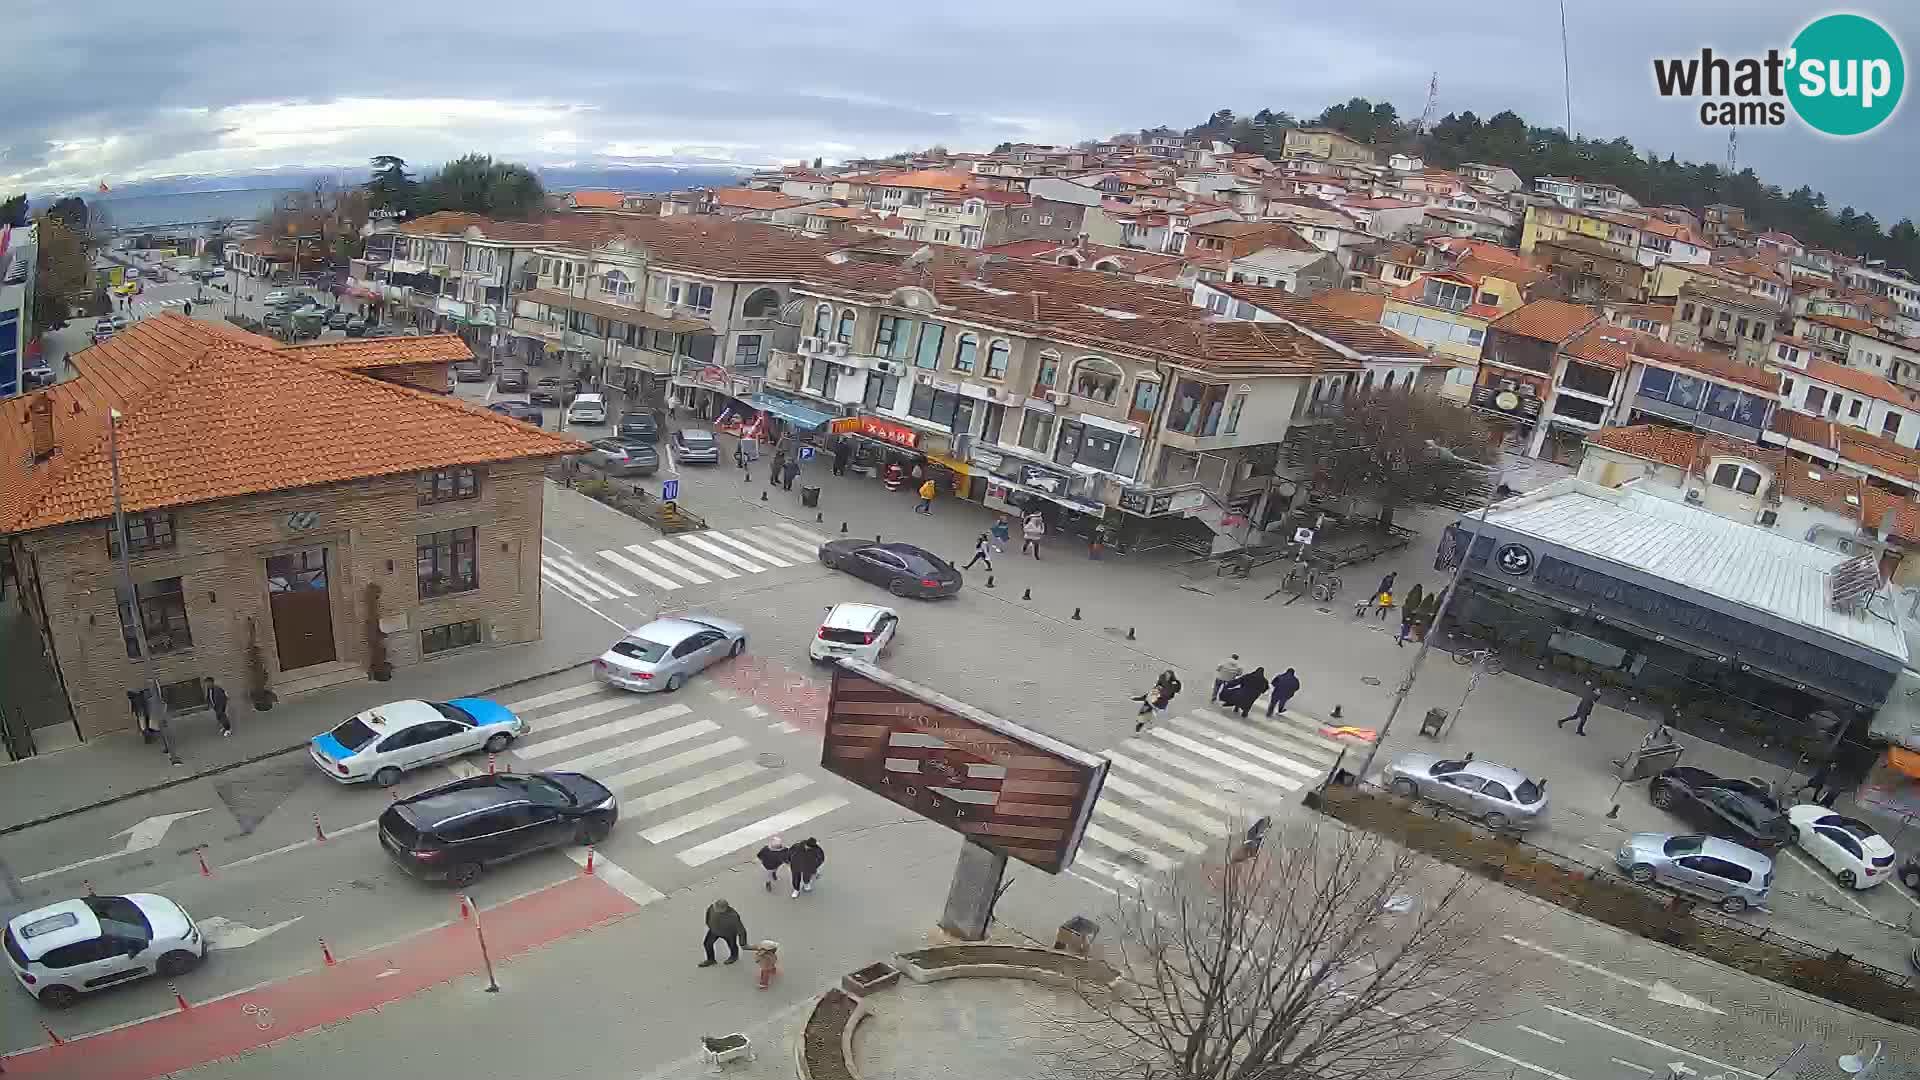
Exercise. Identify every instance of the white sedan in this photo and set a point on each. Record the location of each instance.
(387, 740)
(75, 947)
(1858, 857)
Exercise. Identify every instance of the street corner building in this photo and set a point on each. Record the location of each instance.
(294, 517)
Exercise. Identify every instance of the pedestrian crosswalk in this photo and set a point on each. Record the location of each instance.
(1191, 785)
(144, 308)
(684, 781)
(672, 564)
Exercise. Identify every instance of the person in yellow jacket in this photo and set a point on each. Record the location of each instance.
(927, 492)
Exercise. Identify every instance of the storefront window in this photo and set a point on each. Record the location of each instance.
(951, 411)
(927, 356)
(996, 416)
(883, 391)
(1036, 432)
(1088, 445)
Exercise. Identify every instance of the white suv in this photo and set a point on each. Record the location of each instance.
(854, 631)
(79, 946)
(587, 409)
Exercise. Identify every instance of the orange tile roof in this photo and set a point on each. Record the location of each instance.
(1874, 451)
(597, 200)
(1655, 442)
(206, 416)
(1362, 336)
(1713, 365)
(1545, 320)
(1603, 344)
(935, 179)
(755, 199)
(364, 353)
(1875, 504)
(1803, 427)
(1818, 485)
(1864, 383)
(1365, 306)
(1852, 326)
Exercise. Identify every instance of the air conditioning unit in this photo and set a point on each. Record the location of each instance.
(1769, 518)
(889, 367)
(993, 393)
(1693, 496)
(1056, 397)
(809, 344)
(836, 348)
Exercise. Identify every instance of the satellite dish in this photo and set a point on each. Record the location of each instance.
(921, 256)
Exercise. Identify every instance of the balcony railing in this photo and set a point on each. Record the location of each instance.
(768, 322)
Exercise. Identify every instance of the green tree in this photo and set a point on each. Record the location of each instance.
(71, 211)
(62, 272)
(1379, 449)
(391, 187)
(477, 184)
(14, 210)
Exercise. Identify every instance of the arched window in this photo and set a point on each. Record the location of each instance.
(1097, 378)
(1049, 373)
(1388, 385)
(844, 335)
(1366, 382)
(822, 321)
(763, 304)
(615, 283)
(964, 353)
(997, 355)
(1146, 394)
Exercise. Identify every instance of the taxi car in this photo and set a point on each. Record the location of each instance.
(387, 740)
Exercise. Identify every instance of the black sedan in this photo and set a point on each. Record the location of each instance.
(468, 371)
(1738, 810)
(520, 410)
(547, 391)
(904, 569)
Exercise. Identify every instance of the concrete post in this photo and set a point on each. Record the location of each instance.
(976, 882)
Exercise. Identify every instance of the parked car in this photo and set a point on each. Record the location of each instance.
(1499, 795)
(282, 298)
(587, 409)
(904, 569)
(665, 653)
(621, 457)
(36, 377)
(469, 371)
(339, 320)
(103, 330)
(276, 318)
(547, 391)
(356, 326)
(854, 631)
(63, 950)
(1856, 855)
(121, 320)
(387, 740)
(510, 380)
(450, 832)
(1737, 810)
(520, 410)
(696, 446)
(1732, 877)
(637, 426)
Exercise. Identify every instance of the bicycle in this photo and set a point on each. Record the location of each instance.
(1488, 658)
(1303, 579)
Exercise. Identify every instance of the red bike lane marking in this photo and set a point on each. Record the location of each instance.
(255, 1018)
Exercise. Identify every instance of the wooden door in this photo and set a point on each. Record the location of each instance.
(302, 608)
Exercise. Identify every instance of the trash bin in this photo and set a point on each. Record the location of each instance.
(1076, 936)
(809, 496)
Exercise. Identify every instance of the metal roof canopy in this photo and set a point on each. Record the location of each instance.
(1742, 571)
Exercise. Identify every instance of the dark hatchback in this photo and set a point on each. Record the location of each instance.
(510, 379)
(450, 832)
(1738, 810)
(520, 410)
(550, 390)
(637, 427)
(903, 569)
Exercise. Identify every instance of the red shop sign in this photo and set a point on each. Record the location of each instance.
(898, 434)
(714, 376)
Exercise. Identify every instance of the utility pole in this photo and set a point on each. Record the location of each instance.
(159, 704)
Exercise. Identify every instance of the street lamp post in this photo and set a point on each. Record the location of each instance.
(1446, 602)
(159, 703)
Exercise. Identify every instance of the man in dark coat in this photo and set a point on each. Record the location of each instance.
(1241, 693)
(788, 471)
(217, 698)
(1581, 711)
(807, 859)
(842, 453)
(723, 924)
(1285, 685)
(772, 858)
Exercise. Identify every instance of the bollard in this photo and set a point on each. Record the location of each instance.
(319, 834)
(490, 762)
(326, 953)
(88, 885)
(1027, 595)
(1076, 614)
(589, 867)
(819, 518)
(843, 528)
(1130, 633)
(989, 581)
(205, 870)
(465, 913)
(876, 538)
(52, 1034)
(1336, 712)
(179, 999)
(763, 496)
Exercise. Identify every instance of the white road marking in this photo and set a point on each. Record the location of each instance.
(298, 844)
(571, 592)
(560, 571)
(1656, 1044)
(779, 544)
(605, 583)
(1628, 1064)
(1537, 1033)
(687, 789)
(655, 769)
(637, 570)
(1285, 783)
(1511, 1060)
(745, 548)
(664, 563)
(1827, 879)
(1224, 781)
(679, 552)
(597, 732)
(1658, 990)
(585, 712)
(557, 544)
(623, 882)
(1179, 787)
(1121, 845)
(554, 697)
(1162, 805)
(724, 809)
(747, 835)
(140, 836)
(719, 552)
(1141, 823)
(623, 751)
(811, 538)
(1224, 738)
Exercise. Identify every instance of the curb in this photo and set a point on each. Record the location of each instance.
(176, 781)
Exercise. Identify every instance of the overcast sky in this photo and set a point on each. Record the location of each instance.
(123, 91)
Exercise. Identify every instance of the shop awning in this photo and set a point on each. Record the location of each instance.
(791, 411)
(1903, 761)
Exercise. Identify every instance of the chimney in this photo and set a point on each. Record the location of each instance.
(40, 417)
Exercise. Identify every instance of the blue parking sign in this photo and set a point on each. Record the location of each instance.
(669, 490)
(806, 453)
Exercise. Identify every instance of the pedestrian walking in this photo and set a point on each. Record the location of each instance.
(982, 552)
(779, 463)
(766, 956)
(1285, 685)
(723, 924)
(772, 857)
(1153, 703)
(927, 491)
(1241, 693)
(1582, 710)
(1031, 533)
(1002, 533)
(740, 454)
(188, 308)
(217, 698)
(842, 453)
(787, 472)
(805, 864)
(1223, 673)
(1386, 583)
(1383, 604)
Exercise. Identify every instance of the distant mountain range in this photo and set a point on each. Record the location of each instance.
(662, 176)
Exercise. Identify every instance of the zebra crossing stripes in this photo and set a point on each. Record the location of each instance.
(621, 726)
(761, 554)
(692, 559)
(668, 765)
(748, 835)
(669, 565)
(638, 571)
(724, 809)
(706, 545)
(623, 751)
(642, 553)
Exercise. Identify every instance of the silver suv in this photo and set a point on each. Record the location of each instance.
(1503, 797)
(1717, 870)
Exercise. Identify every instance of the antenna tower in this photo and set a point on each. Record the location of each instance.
(1433, 102)
(1733, 152)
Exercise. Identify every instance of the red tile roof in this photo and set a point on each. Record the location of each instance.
(1655, 442)
(1802, 427)
(206, 416)
(1364, 306)
(1602, 344)
(597, 200)
(934, 179)
(365, 353)
(1545, 320)
(755, 199)
(1362, 336)
(1864, 383)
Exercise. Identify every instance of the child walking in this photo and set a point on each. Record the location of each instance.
(767, 956)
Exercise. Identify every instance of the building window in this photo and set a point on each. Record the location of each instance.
(663, 341)
(1686, 312)
(163, 615)
(1489, 299)
(996, 417)
(1588, 379)
(1146, 395)
(1730, 475)
(1098, 379)
(943, 236)
(1740, 328)
(964, 352)
(746, 351)
(882, 392)
(822, 321)
(616, 284)
(1890, 425)
(1786, 389)
(997, 354)
(1759, 329)
(438, 639)
(145, 532)
(447, 564)
(927, 356)
(1049, 371)
(1233, 413)
(1853, 410)
(1036, 431)
(184, 696)
(1449, 295)
(894, 337)
(448, 485)
(844, 335)
(1816, 398)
